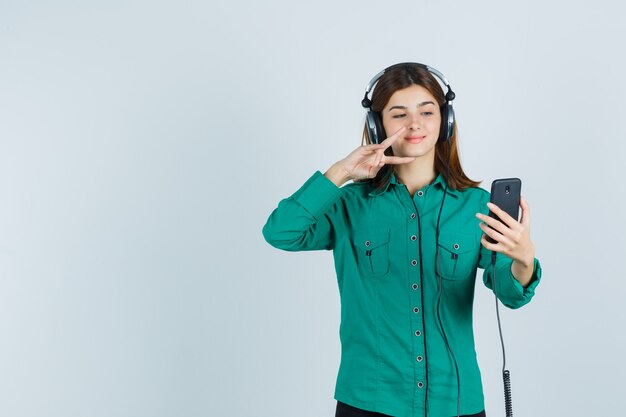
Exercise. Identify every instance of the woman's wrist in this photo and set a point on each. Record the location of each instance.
(529, 260)
(337, 175)
(522, 272)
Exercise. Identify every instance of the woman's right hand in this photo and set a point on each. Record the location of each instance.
(366, 160)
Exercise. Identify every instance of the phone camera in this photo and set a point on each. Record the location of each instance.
(507, 189)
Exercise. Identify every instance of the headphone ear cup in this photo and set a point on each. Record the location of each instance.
(447, 122)
(380, 130)
(443, 130)
(375, 129)
(370, 124)
(451, 122)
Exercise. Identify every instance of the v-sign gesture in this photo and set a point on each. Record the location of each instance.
(365, 161)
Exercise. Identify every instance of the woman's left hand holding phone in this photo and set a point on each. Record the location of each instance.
(512, 239)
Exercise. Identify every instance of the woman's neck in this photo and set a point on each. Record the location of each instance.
(415, 175)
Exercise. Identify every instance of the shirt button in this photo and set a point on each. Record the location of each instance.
(418, 333)
(413, 237)
(419, 358)
(420, 193)
(420, 384)
(367, 243)
(456, 246)
(413, 262)
(416, 310)
(415, 286)
(412, 215)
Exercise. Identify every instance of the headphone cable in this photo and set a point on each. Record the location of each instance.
(506, 375)
(439, 278)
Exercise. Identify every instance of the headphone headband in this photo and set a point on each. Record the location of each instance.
(449, 94)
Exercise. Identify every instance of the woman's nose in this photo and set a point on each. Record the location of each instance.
(414, 122)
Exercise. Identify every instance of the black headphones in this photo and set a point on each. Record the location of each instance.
(374, 122)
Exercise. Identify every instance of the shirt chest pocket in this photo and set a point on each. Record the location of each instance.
(458, 255)
(372, 251)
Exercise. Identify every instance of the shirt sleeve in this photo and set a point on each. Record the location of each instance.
(510, 292)
(308, 219)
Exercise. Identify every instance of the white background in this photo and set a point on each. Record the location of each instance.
(143, 144)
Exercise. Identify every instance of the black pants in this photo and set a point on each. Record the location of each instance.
(345, 410)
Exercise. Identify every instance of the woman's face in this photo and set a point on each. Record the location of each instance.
(417, 109)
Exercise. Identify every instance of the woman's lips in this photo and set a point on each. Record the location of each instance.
(415, 139)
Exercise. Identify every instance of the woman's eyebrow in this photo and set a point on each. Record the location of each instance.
(423, 103)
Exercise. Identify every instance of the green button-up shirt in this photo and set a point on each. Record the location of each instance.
(394, 359)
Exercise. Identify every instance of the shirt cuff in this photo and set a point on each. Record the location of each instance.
(529, 291)
(317, 194)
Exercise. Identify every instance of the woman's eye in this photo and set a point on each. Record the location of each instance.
(399, 116)
(427, 113)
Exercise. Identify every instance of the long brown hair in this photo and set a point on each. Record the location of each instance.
(401, 77)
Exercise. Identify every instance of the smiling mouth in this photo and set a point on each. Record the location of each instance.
(415, 139)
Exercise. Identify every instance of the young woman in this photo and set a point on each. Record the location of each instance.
(408, 235)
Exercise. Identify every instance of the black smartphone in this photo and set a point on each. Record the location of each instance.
(505, 194)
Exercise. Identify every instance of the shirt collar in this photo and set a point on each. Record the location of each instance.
(438, 182)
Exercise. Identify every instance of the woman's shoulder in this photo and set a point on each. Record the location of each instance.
(360, 189)
(475, 193)
(357, 187)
